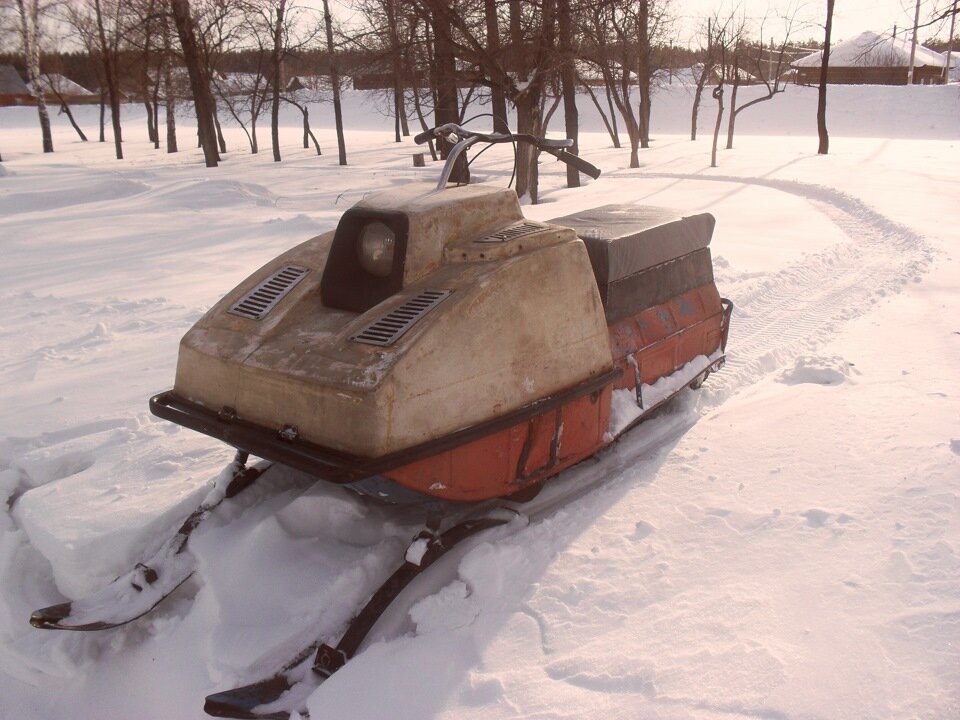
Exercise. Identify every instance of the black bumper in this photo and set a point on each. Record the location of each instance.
(283, 446)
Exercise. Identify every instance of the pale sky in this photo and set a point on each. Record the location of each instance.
(850, 17)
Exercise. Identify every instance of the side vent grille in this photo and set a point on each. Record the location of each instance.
(263, 298)
(514, 231)
(391, 327)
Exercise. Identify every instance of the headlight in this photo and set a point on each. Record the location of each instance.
(375, 249)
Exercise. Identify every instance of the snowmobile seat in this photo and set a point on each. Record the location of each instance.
(641, 255)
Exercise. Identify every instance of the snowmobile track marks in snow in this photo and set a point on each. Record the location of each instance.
(797, 308)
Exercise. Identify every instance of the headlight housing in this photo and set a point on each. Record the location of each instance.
(375, 248)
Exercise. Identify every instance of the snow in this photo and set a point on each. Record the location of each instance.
(624, 408)
(782, 543)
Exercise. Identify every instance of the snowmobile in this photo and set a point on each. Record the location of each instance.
(436, 345)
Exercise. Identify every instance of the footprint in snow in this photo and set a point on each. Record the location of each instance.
(819, 518)
(818, 371)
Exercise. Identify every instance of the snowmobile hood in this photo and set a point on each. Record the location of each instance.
(497, 339)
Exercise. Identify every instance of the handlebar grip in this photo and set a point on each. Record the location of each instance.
(423, 137)
(578, 162)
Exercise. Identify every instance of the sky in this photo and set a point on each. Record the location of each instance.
(850, 18)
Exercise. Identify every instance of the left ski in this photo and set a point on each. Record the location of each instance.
(137, 592)
(287, 690)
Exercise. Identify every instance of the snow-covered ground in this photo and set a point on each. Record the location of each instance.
(780, 544)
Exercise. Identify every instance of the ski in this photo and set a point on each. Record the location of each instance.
(137, 592)
(287, 690)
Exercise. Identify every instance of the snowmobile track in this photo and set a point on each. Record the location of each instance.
(799, 308)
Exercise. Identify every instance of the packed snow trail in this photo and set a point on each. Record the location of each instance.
(795, 310)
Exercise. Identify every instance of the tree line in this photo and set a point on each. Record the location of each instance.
(436, 61)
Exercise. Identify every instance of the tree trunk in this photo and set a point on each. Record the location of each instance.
(568, 81)
(528, 110)
(397, 105)
(697, 96)
(221, 141)
(445, 69)
(734, 87)
(613, 118)
(307, 132)
(199, 82)
(112, 80)
(603, 116)
(498, 99)
(643, 74)
(152, 133)
(277, 59)
(335, 81)
(168, 99)
(718, 96)
(822, 92)
(65, 108)
(29, 19)
(418, 108)
(103, 115)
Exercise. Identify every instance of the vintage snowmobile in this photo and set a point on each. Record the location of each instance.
(439, 345)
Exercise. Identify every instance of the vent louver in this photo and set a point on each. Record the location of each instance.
(514, 231)
(388, 329)
(263, 298)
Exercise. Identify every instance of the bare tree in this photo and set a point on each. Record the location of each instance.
(291, 29)
(108, 28)
(53, 84)
(644, 70)
(523, 68)
(29, 14)
(728, 36)
(335, 81)
(568, 80)
(611, 29)
(307, 90)
(199, 81)
(244, 94)
(144, 36)
(218, 25)
(276, 59)
(765, 65)
(169, 96)
(824, 146)
(702, 72)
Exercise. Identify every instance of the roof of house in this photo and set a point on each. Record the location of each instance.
(869, 49)
(10, 82)
(62, 84)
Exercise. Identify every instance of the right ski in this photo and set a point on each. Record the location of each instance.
(137, 592)
(287, 690)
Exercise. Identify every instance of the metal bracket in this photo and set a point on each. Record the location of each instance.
(638, 384)
(329, 660)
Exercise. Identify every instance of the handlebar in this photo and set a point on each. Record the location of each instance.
(464, 138)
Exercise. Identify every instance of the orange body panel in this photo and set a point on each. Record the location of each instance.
(661, 340)
(664, 338)
(512, 459)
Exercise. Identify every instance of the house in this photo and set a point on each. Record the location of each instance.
(56, 87)
(872, 59)
(13, 91)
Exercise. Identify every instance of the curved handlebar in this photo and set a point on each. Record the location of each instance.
(557, 148)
